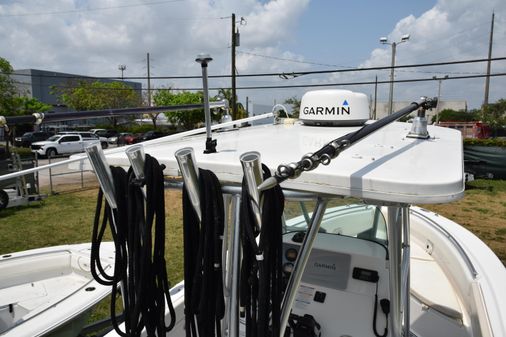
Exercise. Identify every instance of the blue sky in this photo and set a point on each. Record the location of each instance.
(92, 37)
(332, 33)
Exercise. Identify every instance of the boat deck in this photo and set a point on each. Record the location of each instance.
(41, 288)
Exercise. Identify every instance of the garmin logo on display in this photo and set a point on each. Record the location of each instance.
(325, 265)
(335, 110)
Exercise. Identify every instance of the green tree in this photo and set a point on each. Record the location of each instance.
(26, 105)
(8, 91)
(495, 115)
(87, 95)
(227, 94)
(295, 103)
(11, 103)
(188, 119)
(455, 116)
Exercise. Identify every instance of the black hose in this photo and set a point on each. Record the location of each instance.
(261, 272)
(138, 232)
(204, 299)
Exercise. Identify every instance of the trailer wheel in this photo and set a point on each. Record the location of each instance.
(4, 199)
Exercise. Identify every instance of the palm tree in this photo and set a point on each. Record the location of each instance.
(227, 94)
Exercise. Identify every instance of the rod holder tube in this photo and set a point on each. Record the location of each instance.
(394, 268)
(301, 261)
(406, 256)
(103, 172)
(186, 160)
(252, 168)
(136, 157)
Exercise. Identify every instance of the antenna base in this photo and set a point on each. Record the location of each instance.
(210, 145)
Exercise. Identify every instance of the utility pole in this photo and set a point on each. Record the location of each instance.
(247, 106)
(384, 40)
(234, 97)
(375, 96)
(438, 106)
(487, 79)
(391, 94)
(122, 68)
(149, 82)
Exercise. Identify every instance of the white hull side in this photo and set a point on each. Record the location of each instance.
(466, 282)
(43, 289)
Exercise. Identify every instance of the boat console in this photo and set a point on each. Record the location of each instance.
(341, 269)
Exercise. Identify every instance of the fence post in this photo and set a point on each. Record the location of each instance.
(37, 181)
(50, 176)
(82, 173)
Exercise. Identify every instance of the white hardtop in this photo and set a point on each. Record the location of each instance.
(384, 166)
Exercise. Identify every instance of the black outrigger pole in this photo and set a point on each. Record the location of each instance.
(330, 151)
(50, 116)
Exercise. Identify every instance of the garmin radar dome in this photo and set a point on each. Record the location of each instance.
(334, 107)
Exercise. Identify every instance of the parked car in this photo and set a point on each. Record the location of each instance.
(107, 133)
(150, 135)
(87, 135)
(30, 137)
(63, 144)
(115, 140)
(125, 138)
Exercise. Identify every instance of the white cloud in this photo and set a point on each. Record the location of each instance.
(94, 42)
(451, 30)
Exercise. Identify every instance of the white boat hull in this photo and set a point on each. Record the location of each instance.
(452, 291)
(49, 290)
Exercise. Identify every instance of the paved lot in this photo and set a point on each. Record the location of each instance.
(62, 175)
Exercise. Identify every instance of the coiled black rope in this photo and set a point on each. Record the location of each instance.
(261, 272)
(138, 232)
(204, 299)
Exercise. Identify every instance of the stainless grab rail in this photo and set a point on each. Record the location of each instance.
(235, 270)
(394, 233)
(405, 270)
(300, 263)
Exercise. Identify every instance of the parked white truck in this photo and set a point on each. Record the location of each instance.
(62, 144)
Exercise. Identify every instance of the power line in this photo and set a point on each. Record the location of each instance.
(347, 67)
(342, 84)
(293, 60)
(412, 80)
(298, 73)
(96, 9)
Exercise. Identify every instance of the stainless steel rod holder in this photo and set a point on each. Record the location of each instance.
(136, 157)
(103, 172)
(252, 168)
(186, 160)
(300, 263)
